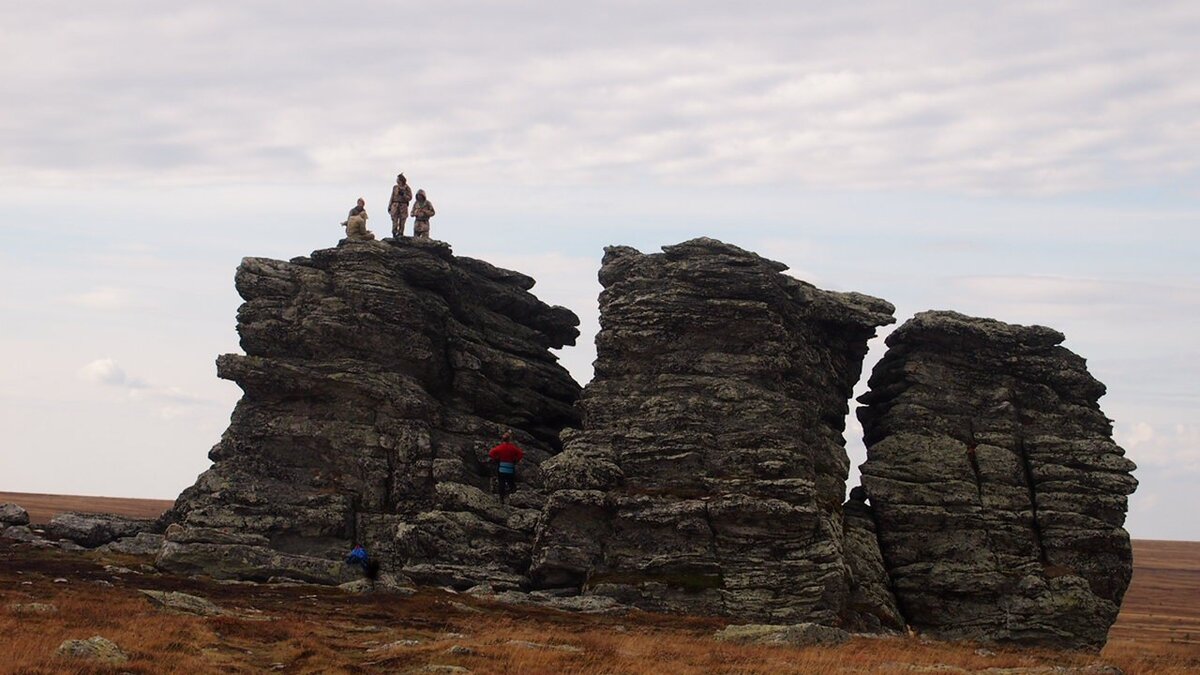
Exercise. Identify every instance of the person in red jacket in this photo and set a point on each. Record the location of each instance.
(506, 455)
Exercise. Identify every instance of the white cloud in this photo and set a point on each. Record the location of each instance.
(1029, 98)
(172, 401)
(104, 298)
(107, 372)
(1175, 447)
(1056, 300)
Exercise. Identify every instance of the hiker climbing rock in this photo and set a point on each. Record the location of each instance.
(398, 206)
(422, 212)
(506, 455)
(356, 222)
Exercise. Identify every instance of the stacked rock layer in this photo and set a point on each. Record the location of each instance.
(376, 375)
(997, 490)
(710, 472)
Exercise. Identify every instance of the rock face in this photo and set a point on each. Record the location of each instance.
(870, 606)
(710, 472)
(998, 492)
(376, 376)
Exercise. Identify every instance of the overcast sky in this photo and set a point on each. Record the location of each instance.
(1033, 162)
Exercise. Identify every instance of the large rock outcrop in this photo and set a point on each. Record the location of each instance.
(997, 490)
(375, 376)
(711, 468)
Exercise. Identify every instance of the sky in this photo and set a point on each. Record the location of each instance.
(1033, 162)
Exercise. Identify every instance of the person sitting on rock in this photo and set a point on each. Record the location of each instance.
(422, 212)
(356, 222)
(506, 455)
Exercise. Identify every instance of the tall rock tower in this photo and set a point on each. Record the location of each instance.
(710, 471)
(376, 376)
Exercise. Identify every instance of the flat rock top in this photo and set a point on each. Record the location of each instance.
(943, 325)
(725, 269)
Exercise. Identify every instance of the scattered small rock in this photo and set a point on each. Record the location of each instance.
(11, 514)
(798, 635)
(459, 650)
(182, 602)
(465, 608)
(394, 645)
(481, 589)
(95, 648)
(440, 668)
(984, 652)
(538, 645)
(60, 580)
(357, 586)
(20, 533)
(143, 543)
(32, 608)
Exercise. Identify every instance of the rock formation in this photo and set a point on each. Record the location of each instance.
(710, 471)
(375, 376)
(703, 470)
(997, 490)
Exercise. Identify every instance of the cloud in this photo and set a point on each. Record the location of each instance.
(103, 298)
(1029, 99)
(1056, 299)
(173, 401)
(107, 372)
(1173, 446)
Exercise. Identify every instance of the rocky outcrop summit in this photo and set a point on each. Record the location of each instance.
(710, 471)
(998, 493)
(375, 376)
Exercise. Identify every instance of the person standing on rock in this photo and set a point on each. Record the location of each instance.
(356, 222)
(422, 212)
(506, 455)
(398, 207)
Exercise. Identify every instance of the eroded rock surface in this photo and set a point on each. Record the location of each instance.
(997, 489)
(375, 376)
(710, 472)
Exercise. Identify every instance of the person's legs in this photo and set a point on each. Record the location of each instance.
(508, 485)
(398, 219)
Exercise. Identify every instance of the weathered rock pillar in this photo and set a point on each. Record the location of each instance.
(998, 491)
(711, 468)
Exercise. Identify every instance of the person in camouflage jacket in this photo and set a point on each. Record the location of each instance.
(398, 206)
(422, 212)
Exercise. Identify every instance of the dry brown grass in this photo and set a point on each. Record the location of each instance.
(307, 629)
